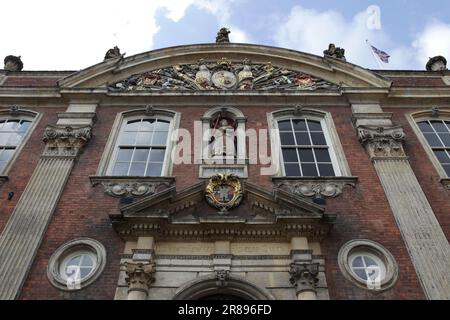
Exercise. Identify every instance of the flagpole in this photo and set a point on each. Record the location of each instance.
(374, 55)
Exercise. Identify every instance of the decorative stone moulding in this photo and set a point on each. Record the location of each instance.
(222, 75)
(65, 141)
(329, 187)
(134, 187)
(444, 181)
(383, 142)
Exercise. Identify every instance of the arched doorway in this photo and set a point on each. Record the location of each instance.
(236, 288)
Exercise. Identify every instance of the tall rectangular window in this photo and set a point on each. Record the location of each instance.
(304, 149)
(437, 134)
(12, 132)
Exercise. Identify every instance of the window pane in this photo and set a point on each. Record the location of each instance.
(133, 125)
(141, 155)
(2, 165)
(314, 125)
(318, 139)
(306, 155)
(370, 262)
(447, 169)
(144, 138)
(24, 126)
(284, 125)
(357, 262)
(84, 272)
(127, 138)
(425, 126)
(154, 169)
(157, 154)
(75, 261)
(309, 170)
(159, 138)
(4, 137)
(326, 170)
(299, 125)
(148, 125)
(125, 154)
(287, 138)
(445, 137)
(14, 139)
(440, 154)
(87, 261)
(439, 126)
(432, 140)
(292, 170)
(121, 169)
(1, 124)
(6, 154)
(302, 139)
(11, 125)
(162, 126)
(137, 169)
(361, 273)
(322, 155)
(290, 155)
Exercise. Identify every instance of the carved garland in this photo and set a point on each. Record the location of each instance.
(222, 75)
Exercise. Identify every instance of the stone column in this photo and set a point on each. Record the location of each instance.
(26, 227)
(426, 242)
(304, 278)
(139, 278)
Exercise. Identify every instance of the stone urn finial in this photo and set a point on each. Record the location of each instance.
(13, 63)
(113, 53)
(438, 63)
(222, 36)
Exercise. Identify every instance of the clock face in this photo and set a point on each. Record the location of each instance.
(224, 79)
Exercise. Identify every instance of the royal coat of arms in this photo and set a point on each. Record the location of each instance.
(224, 192)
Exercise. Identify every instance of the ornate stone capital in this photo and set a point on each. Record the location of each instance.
(304, 276)
(320, 187)
(139, 276)
(222, 277)
(383, 142)
(132, 187)
(65, 141)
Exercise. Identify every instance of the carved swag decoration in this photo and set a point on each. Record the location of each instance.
(222, 75)
(65, 141)
(383, 142)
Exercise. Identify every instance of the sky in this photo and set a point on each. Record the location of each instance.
(73, 35)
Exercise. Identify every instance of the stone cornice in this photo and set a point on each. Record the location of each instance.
(383, 142)
(65, 141)
(136, 187)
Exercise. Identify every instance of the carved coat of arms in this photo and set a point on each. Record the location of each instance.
(224, 192)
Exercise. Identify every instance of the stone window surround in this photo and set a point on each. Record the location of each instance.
(337, 155)
(415, 117)
(372, 247)
(23, 114)
(87, 244)
(105, 165)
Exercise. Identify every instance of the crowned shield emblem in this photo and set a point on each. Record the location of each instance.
(224, 192)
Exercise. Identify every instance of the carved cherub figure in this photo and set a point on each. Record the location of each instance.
(222, 36)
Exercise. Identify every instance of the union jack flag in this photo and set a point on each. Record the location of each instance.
(381, 54)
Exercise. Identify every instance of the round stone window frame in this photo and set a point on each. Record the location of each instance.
(79, 244)
(364, 245)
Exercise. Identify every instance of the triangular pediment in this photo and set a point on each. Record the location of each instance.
(170, 212)
(223, 67)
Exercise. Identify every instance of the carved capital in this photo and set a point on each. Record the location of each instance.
(65, 141)
(304, 276)
(383, 142)
(139, 276)
(320, 187)
(222, 277)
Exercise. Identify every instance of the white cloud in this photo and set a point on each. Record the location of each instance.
(432, 41)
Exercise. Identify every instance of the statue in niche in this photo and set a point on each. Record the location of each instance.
(222, 142)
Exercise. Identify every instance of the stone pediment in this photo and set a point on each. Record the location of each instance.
(222, 67)
(186, 214)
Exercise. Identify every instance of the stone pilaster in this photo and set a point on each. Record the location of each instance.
(426, 243)
(26, 227)
(139, 278)
(304, 277)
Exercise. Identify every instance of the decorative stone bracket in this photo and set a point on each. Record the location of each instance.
(315, 187)
(139, 276)
(136, 187)
(382, 142)
(304, 276)
(222, 277)
(65, 141)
